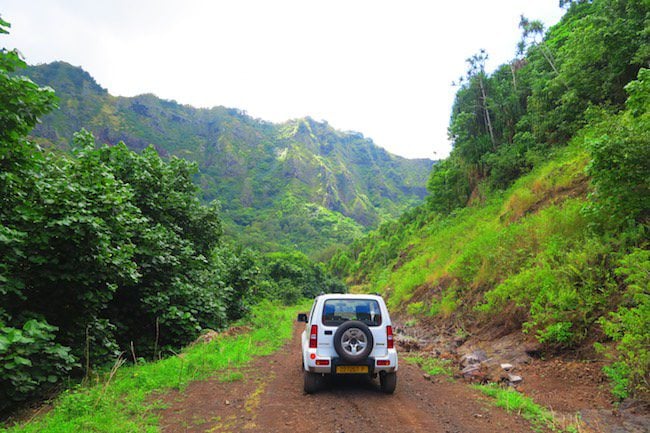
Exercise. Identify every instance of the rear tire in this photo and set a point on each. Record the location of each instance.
(312, 382)
(388, 382)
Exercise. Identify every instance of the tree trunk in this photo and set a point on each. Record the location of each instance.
(549, 58)
(514, 78)
(488, 121)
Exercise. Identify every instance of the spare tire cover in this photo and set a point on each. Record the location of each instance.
(353, 341)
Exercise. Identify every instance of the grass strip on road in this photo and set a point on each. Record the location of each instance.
(124, 403)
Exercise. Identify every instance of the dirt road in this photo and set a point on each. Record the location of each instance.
(269, 398)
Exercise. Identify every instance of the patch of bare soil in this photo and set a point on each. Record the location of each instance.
(576, 391)
(566, 386)
(270, 399)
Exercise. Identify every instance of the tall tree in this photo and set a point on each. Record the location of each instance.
(532, 33)
(477, 71)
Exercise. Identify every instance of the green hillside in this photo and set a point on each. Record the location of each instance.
(301, 184)
(538, 221)
(106, 251)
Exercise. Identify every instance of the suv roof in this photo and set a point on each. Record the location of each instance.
(348, 296)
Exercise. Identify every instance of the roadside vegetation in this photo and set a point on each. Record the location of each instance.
(432, 366)
(127, 398)
(106, 251)
(538, 220)
(540, 418)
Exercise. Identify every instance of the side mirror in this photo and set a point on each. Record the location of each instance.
(302, 317)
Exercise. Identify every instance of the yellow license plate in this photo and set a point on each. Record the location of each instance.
(351, 369)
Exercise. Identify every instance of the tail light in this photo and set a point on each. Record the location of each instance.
(313, 337)
(389, 337)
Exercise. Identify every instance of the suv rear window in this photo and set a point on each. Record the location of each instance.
(337, 311)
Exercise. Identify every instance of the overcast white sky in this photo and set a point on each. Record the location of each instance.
(383, 68)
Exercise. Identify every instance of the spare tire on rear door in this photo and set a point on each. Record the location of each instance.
(353, 341)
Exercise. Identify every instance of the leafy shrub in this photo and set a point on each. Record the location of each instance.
(180, 284)
(294, 276)
(415, 308)
(29, 359)
(434, 308)
(619, 374)
(448, 186)
(620, 151)
(557, 334)
(449, 303)
(507, 164)
(628, 327)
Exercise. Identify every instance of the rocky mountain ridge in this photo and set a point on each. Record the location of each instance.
(300, 183)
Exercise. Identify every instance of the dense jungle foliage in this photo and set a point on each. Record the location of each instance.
(105, 251)
(297, 185)
(538, 220)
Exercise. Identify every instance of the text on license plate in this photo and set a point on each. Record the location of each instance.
(351, 369)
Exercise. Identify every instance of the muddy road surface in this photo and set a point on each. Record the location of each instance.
(267, 396)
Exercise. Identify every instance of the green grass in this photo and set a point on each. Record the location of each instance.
(432, 366)
(539, 256)
(232, 376)
(478, 247)
(128, 401)
(513, 401)
(528, 248)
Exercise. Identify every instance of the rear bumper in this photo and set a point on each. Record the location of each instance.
(371, 362)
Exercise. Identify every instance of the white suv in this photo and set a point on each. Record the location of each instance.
(348, 334)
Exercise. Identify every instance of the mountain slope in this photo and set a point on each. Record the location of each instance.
(537, 223)
(296, 184)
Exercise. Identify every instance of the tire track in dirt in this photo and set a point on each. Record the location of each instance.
(270, 399)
